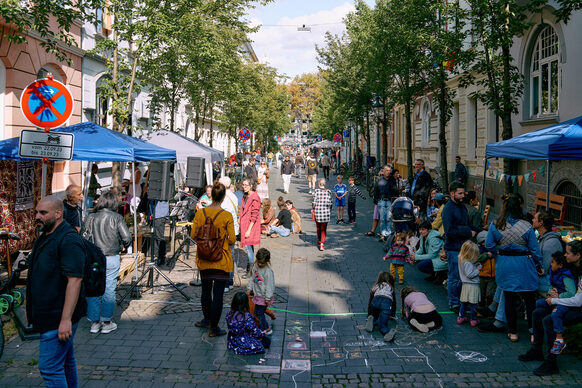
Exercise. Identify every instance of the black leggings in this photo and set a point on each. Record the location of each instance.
(211, 300)
(529, 298)
(425, 318)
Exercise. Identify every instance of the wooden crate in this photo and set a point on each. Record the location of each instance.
(128, 265)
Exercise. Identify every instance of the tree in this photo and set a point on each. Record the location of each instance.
(42, 16)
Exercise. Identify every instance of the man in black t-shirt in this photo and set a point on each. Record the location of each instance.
(55, 298)
(282, 225)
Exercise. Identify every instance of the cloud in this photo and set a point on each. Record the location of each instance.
(293, 52)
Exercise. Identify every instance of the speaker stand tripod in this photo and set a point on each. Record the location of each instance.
(188, 241)
(151, 268)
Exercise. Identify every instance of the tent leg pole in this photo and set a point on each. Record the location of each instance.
(481, 204)
(548, 167)
(134, 220)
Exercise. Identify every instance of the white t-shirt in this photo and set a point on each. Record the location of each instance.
(230, 205)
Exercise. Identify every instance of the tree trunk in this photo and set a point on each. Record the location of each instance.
(408, 114)
(367, 133)
(384, 144)
(211, 134)
(115, 167)
(508, 165)
(443, 136)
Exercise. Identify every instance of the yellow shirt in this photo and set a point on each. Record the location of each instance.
(225, 223)
(437, 224)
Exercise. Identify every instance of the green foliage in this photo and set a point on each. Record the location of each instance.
(38, 15)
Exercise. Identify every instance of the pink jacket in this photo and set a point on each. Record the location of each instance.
(250, 211)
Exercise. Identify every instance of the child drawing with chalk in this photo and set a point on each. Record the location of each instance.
(419, 310)
(261, 287)
(244, 337)
(382, 306)
(469, 273)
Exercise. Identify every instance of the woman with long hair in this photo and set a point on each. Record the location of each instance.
(267, 215)
(250, 219)
(321, 206)
(512, 240)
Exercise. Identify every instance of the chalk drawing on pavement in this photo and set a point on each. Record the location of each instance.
(470, 356)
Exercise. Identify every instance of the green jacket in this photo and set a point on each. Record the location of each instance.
(432, 250)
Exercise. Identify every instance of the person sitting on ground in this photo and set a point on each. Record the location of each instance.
(382, 306)
(419, 310)
(428, 258)
(432, 208)
(261, 287)
(543, 321)
(295, 217)
(206, 199)
(437, 224)
(244, 337)
(268, 215)
(281, 226)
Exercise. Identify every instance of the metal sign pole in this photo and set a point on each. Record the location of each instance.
(43, 188)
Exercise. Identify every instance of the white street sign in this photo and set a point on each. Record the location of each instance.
(52, 145)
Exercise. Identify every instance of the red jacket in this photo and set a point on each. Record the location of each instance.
(250, 211)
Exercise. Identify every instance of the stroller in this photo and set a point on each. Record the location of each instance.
(403, 214)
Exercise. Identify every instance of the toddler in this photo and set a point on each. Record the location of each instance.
(419, 311)
(262, 286)
(469, 274)
(353, 192)
(340, 190)
(398, 256)
(411, 242)
(564, 286)
(244, 337)
(382, 305)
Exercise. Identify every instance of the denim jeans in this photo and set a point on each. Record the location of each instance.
(425, 266)
(251, 253)
(499, 297)
(385, 222)
(454, 280)
(100, 308)
(260, 314)
(56, 360)
(283, 232)
(381, 307)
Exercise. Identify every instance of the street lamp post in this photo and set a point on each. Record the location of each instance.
(378, 107)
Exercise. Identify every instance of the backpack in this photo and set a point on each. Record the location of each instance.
(209, 245)
(95, 274)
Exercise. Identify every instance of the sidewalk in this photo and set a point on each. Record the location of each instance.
(318, 340)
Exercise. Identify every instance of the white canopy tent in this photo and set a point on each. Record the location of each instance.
(184, 148)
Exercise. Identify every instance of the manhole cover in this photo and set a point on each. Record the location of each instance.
(295, 259)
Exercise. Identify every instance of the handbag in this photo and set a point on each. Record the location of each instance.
(312, 214)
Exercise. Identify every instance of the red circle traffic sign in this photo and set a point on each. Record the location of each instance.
(337, 137)
(244, 134)
(46, 103)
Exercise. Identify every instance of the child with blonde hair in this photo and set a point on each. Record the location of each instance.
(469, 274)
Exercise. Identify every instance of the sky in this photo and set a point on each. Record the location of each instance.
(280, 45)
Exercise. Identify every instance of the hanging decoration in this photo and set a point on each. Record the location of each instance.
(496, 173)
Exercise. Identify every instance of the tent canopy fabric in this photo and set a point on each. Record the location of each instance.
(325, 144)
(184, 148)
(96, 143)
(558, 142)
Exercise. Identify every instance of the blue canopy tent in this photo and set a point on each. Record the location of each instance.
(558, 142)
(96, 143)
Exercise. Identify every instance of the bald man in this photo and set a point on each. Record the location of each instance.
(55, 300)
(72, 211)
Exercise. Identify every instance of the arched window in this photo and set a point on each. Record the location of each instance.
(425, 124)
(545, 74)
(43, 72)
(102, 116)
(573, 213)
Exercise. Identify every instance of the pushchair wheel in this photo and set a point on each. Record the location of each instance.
(6, 301)
(17, 295)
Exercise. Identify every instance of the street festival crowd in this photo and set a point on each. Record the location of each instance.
(515, 266)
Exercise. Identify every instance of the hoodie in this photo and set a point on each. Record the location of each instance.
(550, 242)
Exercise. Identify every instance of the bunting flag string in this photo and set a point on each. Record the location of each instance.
(500, 176)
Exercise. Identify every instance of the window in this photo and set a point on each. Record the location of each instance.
(45, 70)
(573, 213)
(102, 106)
(545, 74)
(472, 110)
(425, 124)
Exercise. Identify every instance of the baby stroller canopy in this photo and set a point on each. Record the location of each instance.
(402, 210)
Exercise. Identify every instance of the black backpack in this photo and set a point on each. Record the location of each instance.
(95, 275)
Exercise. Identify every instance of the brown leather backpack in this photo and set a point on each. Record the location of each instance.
(209, 244)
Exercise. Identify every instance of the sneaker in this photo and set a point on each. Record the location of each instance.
(531, 355)
(370, 324)
(485, 312)
(95, 327)
(226, 289)
(203, 323)
(455, 309)
(419, 326)
(269, 331)
(108, 327)
(388, 337)
(216, 332)
(475, 322)
(559, 346)
(547, 368)
(490, 328)
(461, 320)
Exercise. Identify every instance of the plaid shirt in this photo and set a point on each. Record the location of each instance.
(322, 205)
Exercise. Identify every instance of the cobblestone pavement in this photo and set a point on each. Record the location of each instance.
(319, 337)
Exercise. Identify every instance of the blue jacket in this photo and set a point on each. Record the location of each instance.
(456, 224)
